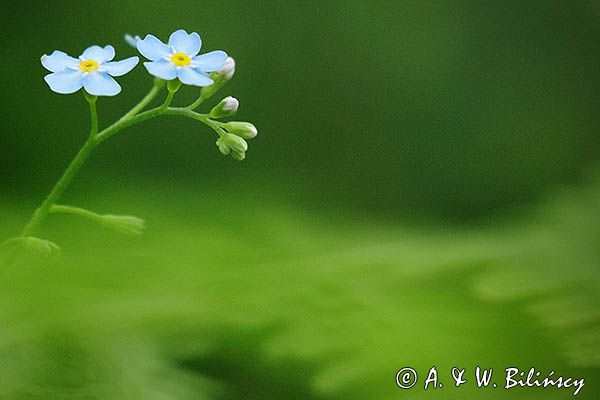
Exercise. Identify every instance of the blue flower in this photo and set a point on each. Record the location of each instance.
(180, 59)
(93, 71)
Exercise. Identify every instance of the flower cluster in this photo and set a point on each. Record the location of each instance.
(93, 70)
(173, 64)
(178, 62)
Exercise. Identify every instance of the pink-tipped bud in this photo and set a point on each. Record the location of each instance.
(228, 70)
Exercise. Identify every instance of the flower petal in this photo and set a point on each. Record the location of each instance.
(209, 62)
(162, 69)
(189, 76)
(58, 61)
(153, 49)
(98, 54)
(100, 84)
(182, 42)
(132, 40)
(64, 82)
(118, 68)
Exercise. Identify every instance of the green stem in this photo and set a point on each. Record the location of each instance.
(124, 123)
(82, 212)
(208, 91)
(93, 114)
(42, 212)
(95, 138)
(158, 85)
(168, 100)
(84, 153)
(64, 181)
(204, 118)
(198, 101)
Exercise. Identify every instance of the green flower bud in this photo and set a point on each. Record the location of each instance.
(223, 148)
(235, 143)
(226, 108)
(229, 143)
(173, 85)
(242, 129)
(238, 155)
(123, 223)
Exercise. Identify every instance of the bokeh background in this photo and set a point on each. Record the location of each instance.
(424, 190)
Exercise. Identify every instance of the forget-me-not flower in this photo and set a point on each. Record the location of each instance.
(93, 71)
(180, 59)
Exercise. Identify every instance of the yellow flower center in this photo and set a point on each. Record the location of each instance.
(181, 59)
(88, 65)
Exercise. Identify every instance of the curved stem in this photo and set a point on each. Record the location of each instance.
(82, 212)
(124, 123)
(69, 173)
(95, 138)
(204, 118)
(208, 91)
(84, 153)
(60, 186)
(168, 100)
(198, 101)
(158, 85)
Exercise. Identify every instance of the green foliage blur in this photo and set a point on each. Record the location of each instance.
(424, 190)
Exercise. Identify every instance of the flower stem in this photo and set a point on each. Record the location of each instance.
(82, 212)
(95, 138)
(208, 91)
(84, 153)
(125, 122)
(158, 85)
(42, 212)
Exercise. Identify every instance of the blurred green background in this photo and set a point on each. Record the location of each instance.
(423, 191)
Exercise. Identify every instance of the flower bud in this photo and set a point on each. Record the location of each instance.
(228, 70)
(223, 148)
(123, 223)
(235, 143)
(229, 143)
(226, 108)
(238, 155)
(243, 129)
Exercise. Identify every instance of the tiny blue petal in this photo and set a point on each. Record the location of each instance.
(119, 68)
(182, 42)
(209, 62)
(65, 82)
(100, 84)
(192, 77)
(59, 61)
(162, 69)
(153, 49)
(98, 54)
(132, 40)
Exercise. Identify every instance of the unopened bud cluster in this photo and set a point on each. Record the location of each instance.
(233, 134)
